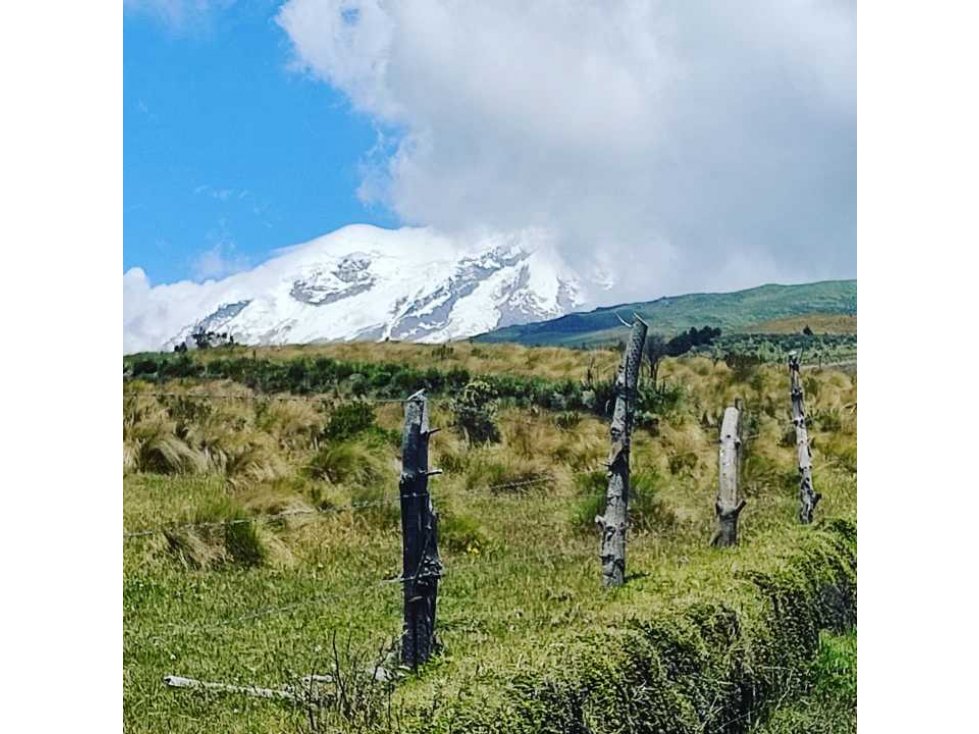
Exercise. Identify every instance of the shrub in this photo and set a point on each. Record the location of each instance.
(475, 412)
(348, 420)
(742, 364)
(357, 384)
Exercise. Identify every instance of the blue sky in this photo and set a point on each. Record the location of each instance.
(673, 146)
(228, 153)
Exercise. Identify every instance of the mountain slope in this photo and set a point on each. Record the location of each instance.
(731, 312)
(360, 282)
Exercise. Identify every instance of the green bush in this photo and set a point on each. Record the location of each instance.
(475, 411)
(349, 420)
(743, 364)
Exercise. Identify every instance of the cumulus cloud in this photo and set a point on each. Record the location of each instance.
(680, 145)
(151, 314)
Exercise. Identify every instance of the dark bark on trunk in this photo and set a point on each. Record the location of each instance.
(613, 523)
(421, 565)
(729, 504)
(808, 496)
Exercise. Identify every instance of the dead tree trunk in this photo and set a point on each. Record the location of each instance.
(808, 497)
(729, 504)
(177, 681)
(421, 565)
(613, 523)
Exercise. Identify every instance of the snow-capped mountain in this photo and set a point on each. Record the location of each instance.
(361, 282)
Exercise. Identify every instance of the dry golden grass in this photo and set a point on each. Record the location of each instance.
(556, 363)
(820, 323)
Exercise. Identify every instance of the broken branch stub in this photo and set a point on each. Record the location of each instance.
(614, 522)
(729, 504)
(421, 565)
(808, 496)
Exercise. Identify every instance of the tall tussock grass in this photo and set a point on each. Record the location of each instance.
(648, 511)
(349, 463)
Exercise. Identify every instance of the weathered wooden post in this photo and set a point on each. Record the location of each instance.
(808, 497)
(421, 566)
(729, 504)
(613, 523)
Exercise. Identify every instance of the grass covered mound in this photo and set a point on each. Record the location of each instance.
(713, 660)
(830, 706)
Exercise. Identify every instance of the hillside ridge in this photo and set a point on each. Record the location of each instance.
(731, 311)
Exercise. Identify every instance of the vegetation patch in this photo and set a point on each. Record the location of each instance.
(714, 664)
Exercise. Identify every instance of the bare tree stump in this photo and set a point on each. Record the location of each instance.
(615, 520)
(808, 497)
(421, 566)
(729, 504)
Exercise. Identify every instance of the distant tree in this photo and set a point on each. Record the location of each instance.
(655, 351)
(742, 364)
(687, 340)
(207, 339)
(348, 420)
(201, 340)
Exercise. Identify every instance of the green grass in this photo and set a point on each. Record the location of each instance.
(523, 620)
(831, 705)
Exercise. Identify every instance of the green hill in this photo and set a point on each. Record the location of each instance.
(732, 312)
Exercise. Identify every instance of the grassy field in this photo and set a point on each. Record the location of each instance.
(552, 363)
(819, 323)
(263, 602)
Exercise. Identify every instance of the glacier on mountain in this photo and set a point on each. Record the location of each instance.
(361, 282)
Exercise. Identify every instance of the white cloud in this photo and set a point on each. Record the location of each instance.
(150, 315)
(179, 15)
(219, 261)
(685, 145)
